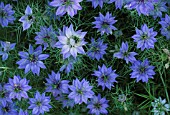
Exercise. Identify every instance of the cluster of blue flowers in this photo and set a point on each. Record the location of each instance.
(71, 43)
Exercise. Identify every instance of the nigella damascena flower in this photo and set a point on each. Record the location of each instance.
(104, 24)
(80, 91)
(32, 60)
(56, 85)
(160, 107)
(66, 102)
(46, 36)
(27, 19)
(68, 65)
(106, 77)
(142, 6)
(39, 104)
(95, 3)
(98, 105)
(142, 70)
(66, 6)
(165, 23)
(17, 88)
(4, 94)
(5, 48)
(159, 7)
(71, 42)
(145, 37)
(125, 54)
(96, 49)
(6, 14)
(21, 112)
(8, 108)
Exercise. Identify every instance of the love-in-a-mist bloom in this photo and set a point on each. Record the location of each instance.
(56, 85)
(125, 54)
(165, 23)
(160, 107)
(104, 24)
(66, 6)
(159, 7)
(27, 19)
(106, 77)
(145, 37)
(6, 14)
(32, 60)
(142, 70)
(81, 91)
(8, 108)
(71, 42)
(17, 88)
(39, 104)
(98, 105)
(4, 94)
(142, 6)
(46, 37)
(96, 3)
(5, 48)
(96, 49)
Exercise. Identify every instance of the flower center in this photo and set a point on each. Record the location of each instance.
(2, 14)
(38, 103)
(105, 24)
(2, 94)
(47, 39)
(126, 54)
(33, 58)
(104, 77)
(79, 91)
(76, 39)
(168, 28)
(56, 86)
(30, 17)
(67, 2)
(17, 88)
(97, 105)
(144, 37)
(142, 69)
(6, 109)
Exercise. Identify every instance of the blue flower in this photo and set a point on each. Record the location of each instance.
(32, 60)
(56, 85)
(159, 7)
(124, 54)
(104, 24)
(39, 104)
(98, 105)
(68, 65)
(80, 91)
(27, 19)
(145, 37)
(97, 49)
(4, 94)
(6, 14)
(8, 108)
(71, 42)
(142, 71)
(46, 36)
(66, 6)
(106, 77)
(17, 88)
(5, 48)
(142, 6)
(165, 23)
